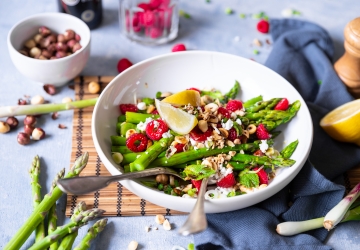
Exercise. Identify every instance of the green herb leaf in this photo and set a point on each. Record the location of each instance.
(249, 179)
(198, 172)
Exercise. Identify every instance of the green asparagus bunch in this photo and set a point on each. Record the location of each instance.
(43, 208)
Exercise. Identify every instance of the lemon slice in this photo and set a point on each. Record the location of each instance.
(343, 123)
(178, 120)
(184, 97)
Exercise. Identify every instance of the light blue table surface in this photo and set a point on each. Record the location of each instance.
(208, 29)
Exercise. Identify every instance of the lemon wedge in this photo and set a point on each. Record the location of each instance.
(184, 97)
(178, 120)
(343, 123)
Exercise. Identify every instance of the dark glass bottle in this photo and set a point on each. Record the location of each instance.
(90, 11)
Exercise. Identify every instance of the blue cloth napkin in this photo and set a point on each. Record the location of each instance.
(302, 53)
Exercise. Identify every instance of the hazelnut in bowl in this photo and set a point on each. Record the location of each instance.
(232, 140)
(49, 48)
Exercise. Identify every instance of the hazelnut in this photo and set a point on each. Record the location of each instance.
(51, 48)
(30, 120)
(12, 121)
(71, 43)
(4, 127)
(66, 100)
(53, 57)
(37, 38)
(23, 138)
(94, 87)
(44, 31)
(61, 46)
(22, 102)
(30, 44)
(28, 129)
(162, 178)
(45, 53)
(38, 99)
(44, 43)
(76, 47)
(24, 52)
(52, 38)
(61, 38)
(69, 34)
(41, 57)
(50, 89)
(60, 54)
(159, 219)
(38, 134)
(77, 37)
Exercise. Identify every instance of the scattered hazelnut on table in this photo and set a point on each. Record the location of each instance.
(28, 129)
(50, 89)
(66, 100)
(12, 121)
(23, 138)
(30, 120)
(94, 87)
(38, 134)
(167, 225)
(38, 99)
(133, 245)
(4, 127)
(159, 219)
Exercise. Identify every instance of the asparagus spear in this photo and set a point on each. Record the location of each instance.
(262, 105)
(135, 118)
(287, 152)
(118, 140)
(262, 160)
(36, 192)
(223, 98)
(150, 154)
(77, 221)
(68, 241)
(91, 234)
(44, 108)
(252, 101)
(183, 157)
(52, 222)
(42, 209)
(121, 149)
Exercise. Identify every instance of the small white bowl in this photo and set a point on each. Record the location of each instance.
(181, 70)
(58, 71)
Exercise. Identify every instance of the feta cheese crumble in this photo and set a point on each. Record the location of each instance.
(228, 124)
(264, 146)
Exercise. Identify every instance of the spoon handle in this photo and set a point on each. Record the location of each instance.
(196, 222)
(88, 184)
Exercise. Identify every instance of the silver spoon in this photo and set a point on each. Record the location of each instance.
(88, 184)
(196, 221)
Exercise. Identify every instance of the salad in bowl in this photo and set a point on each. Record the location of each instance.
(206, 115)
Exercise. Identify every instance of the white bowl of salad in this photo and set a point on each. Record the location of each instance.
(206, 115)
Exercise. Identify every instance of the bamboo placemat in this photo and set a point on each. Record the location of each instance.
(116, 199)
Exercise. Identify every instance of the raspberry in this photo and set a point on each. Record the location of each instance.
(155, 129)
(227, 181)
(127, 108)
(282, 105)
(232, 134)
(137, 142)
(224, 112)
(178, 47)
(149, 18)
(196, 184)
(262, 133)
(144, 6)
(179, 147)
(258, 153)
(263, 177)
(154, 112)
(263, 26)
(123, 64)
(198, 90)
(155, 32)
(234, 105)
(154, 3)
(197, 135)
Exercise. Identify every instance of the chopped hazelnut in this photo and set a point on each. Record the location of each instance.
(94, 87)
(38, 134)
(23, 138)
(38, 99)
(4, 127)
(12, 121)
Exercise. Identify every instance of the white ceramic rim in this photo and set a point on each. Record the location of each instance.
(49, 14)
(133, 186)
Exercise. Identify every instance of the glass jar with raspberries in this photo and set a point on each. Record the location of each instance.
(149, 22)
